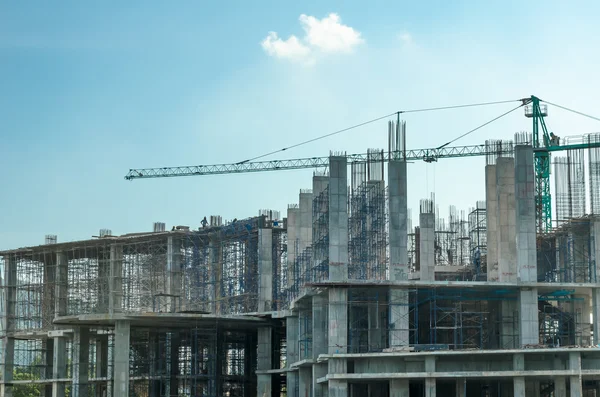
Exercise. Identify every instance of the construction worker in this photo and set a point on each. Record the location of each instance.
(204, 222)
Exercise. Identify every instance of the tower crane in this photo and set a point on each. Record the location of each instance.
(543, 144)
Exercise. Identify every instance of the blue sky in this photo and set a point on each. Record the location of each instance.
(89, 91)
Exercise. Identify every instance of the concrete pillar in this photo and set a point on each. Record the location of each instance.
(338, 219)
(265, 270)
(519, 387)
(116, 279)
(338, 388)
(59, 366)
(461, 387)
(121, 358)
(375, 326)
(305, 381)
(320, 322)
(519, 381)
(399, 388)
(506, 214)
(101, 361)
(528, 317)
(293, 233)
(595, 251)
(575, 380)
(398, 242)
(293, 354)
(8, 344)
(560, 382)
(427, 244)
(319, 370)
(338, 320)
(525, 214)
(596, 315)
(174, 273)
(81, 365)
(491, 205)
(430, 382)
(265, 361)
(306, 198)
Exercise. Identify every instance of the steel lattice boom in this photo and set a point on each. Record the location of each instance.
(428, 155)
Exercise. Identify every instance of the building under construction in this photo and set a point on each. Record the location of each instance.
(342, 296)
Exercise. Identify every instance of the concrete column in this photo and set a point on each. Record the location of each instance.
(265, 361)
(427, 245)
(116, 279)
(305, 381)
(338, 388)
(265, 269)
(519, 381)
(320, 324)
(293, 354)
(121, 358)
(596, 315)
(575, 380)
(59, 366)
(375, 326)
(399, 388)
(491, 205)
(319, 371)
(528, 317)
(338, 320)
(525, 214)
(509, 318)
(293, 232)
(101, 361)
(398, 242)
(8, 344)
(595, 251)
(506, 232)
(81, 365)
(174, 273)
(338, 219)
(560, 382)
(461, 387)
(519, 387)
(430, 383)
(306, 226)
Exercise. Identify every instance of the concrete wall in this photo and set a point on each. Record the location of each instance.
(506, 232)
(491, 205)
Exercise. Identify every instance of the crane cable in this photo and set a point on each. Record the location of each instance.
(381, 118)
(571, 110)
(481, 126)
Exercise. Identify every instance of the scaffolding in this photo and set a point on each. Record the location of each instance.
(320, 234)
(569, 174)
(367, 231)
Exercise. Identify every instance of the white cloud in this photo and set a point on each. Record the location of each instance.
(291, 48)
(405, 38)
(329, 34)
(322, 36)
